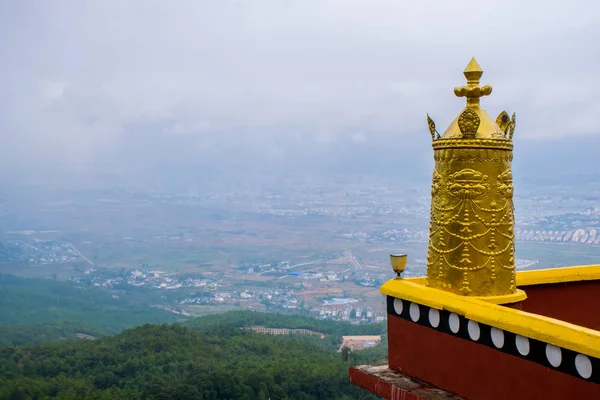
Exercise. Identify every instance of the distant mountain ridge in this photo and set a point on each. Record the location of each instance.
(403, 157)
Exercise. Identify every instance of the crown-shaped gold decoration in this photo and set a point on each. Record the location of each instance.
(473, 123)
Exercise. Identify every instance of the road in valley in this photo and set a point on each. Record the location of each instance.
(352, 260)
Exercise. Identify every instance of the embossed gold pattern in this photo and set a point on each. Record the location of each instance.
(476, 144)
(471, 238)
(468, 122)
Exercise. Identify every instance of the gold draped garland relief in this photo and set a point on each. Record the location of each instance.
(472, 225)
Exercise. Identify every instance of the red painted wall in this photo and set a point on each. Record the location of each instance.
(574, 302)
(474, 371)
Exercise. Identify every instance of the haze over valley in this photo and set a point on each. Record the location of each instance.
(266, 238)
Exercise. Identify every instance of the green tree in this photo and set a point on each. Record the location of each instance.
(345, 353)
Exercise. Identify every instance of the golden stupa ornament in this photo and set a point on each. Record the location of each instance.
(471, 232)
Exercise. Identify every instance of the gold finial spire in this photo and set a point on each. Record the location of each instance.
(473, 122)
(473, 91)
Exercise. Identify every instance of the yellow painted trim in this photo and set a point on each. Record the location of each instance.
(519, 295)
(503, 299)
(421, 280)
(548, 330)
(558, 275)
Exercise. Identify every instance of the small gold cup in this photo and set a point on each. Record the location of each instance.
(398, 264)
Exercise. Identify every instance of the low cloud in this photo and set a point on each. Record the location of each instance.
(86, 82)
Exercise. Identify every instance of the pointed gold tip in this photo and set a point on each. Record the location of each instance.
(473, 66)
(473, 72)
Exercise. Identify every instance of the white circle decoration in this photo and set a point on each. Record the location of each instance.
(497, 337)
(454, 323)
(398, 306)
(414, 311)
(583, 366)
(434, 317)
(474, 331)
(522, 345)
(554, 355)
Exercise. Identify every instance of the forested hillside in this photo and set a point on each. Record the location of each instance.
(253, 318)
(40, 310)
(175, 362)
(333, 330)
(211, 357)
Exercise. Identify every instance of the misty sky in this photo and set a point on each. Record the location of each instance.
(153, 82)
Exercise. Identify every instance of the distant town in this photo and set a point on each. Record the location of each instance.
(287, 289)
(316, 247)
